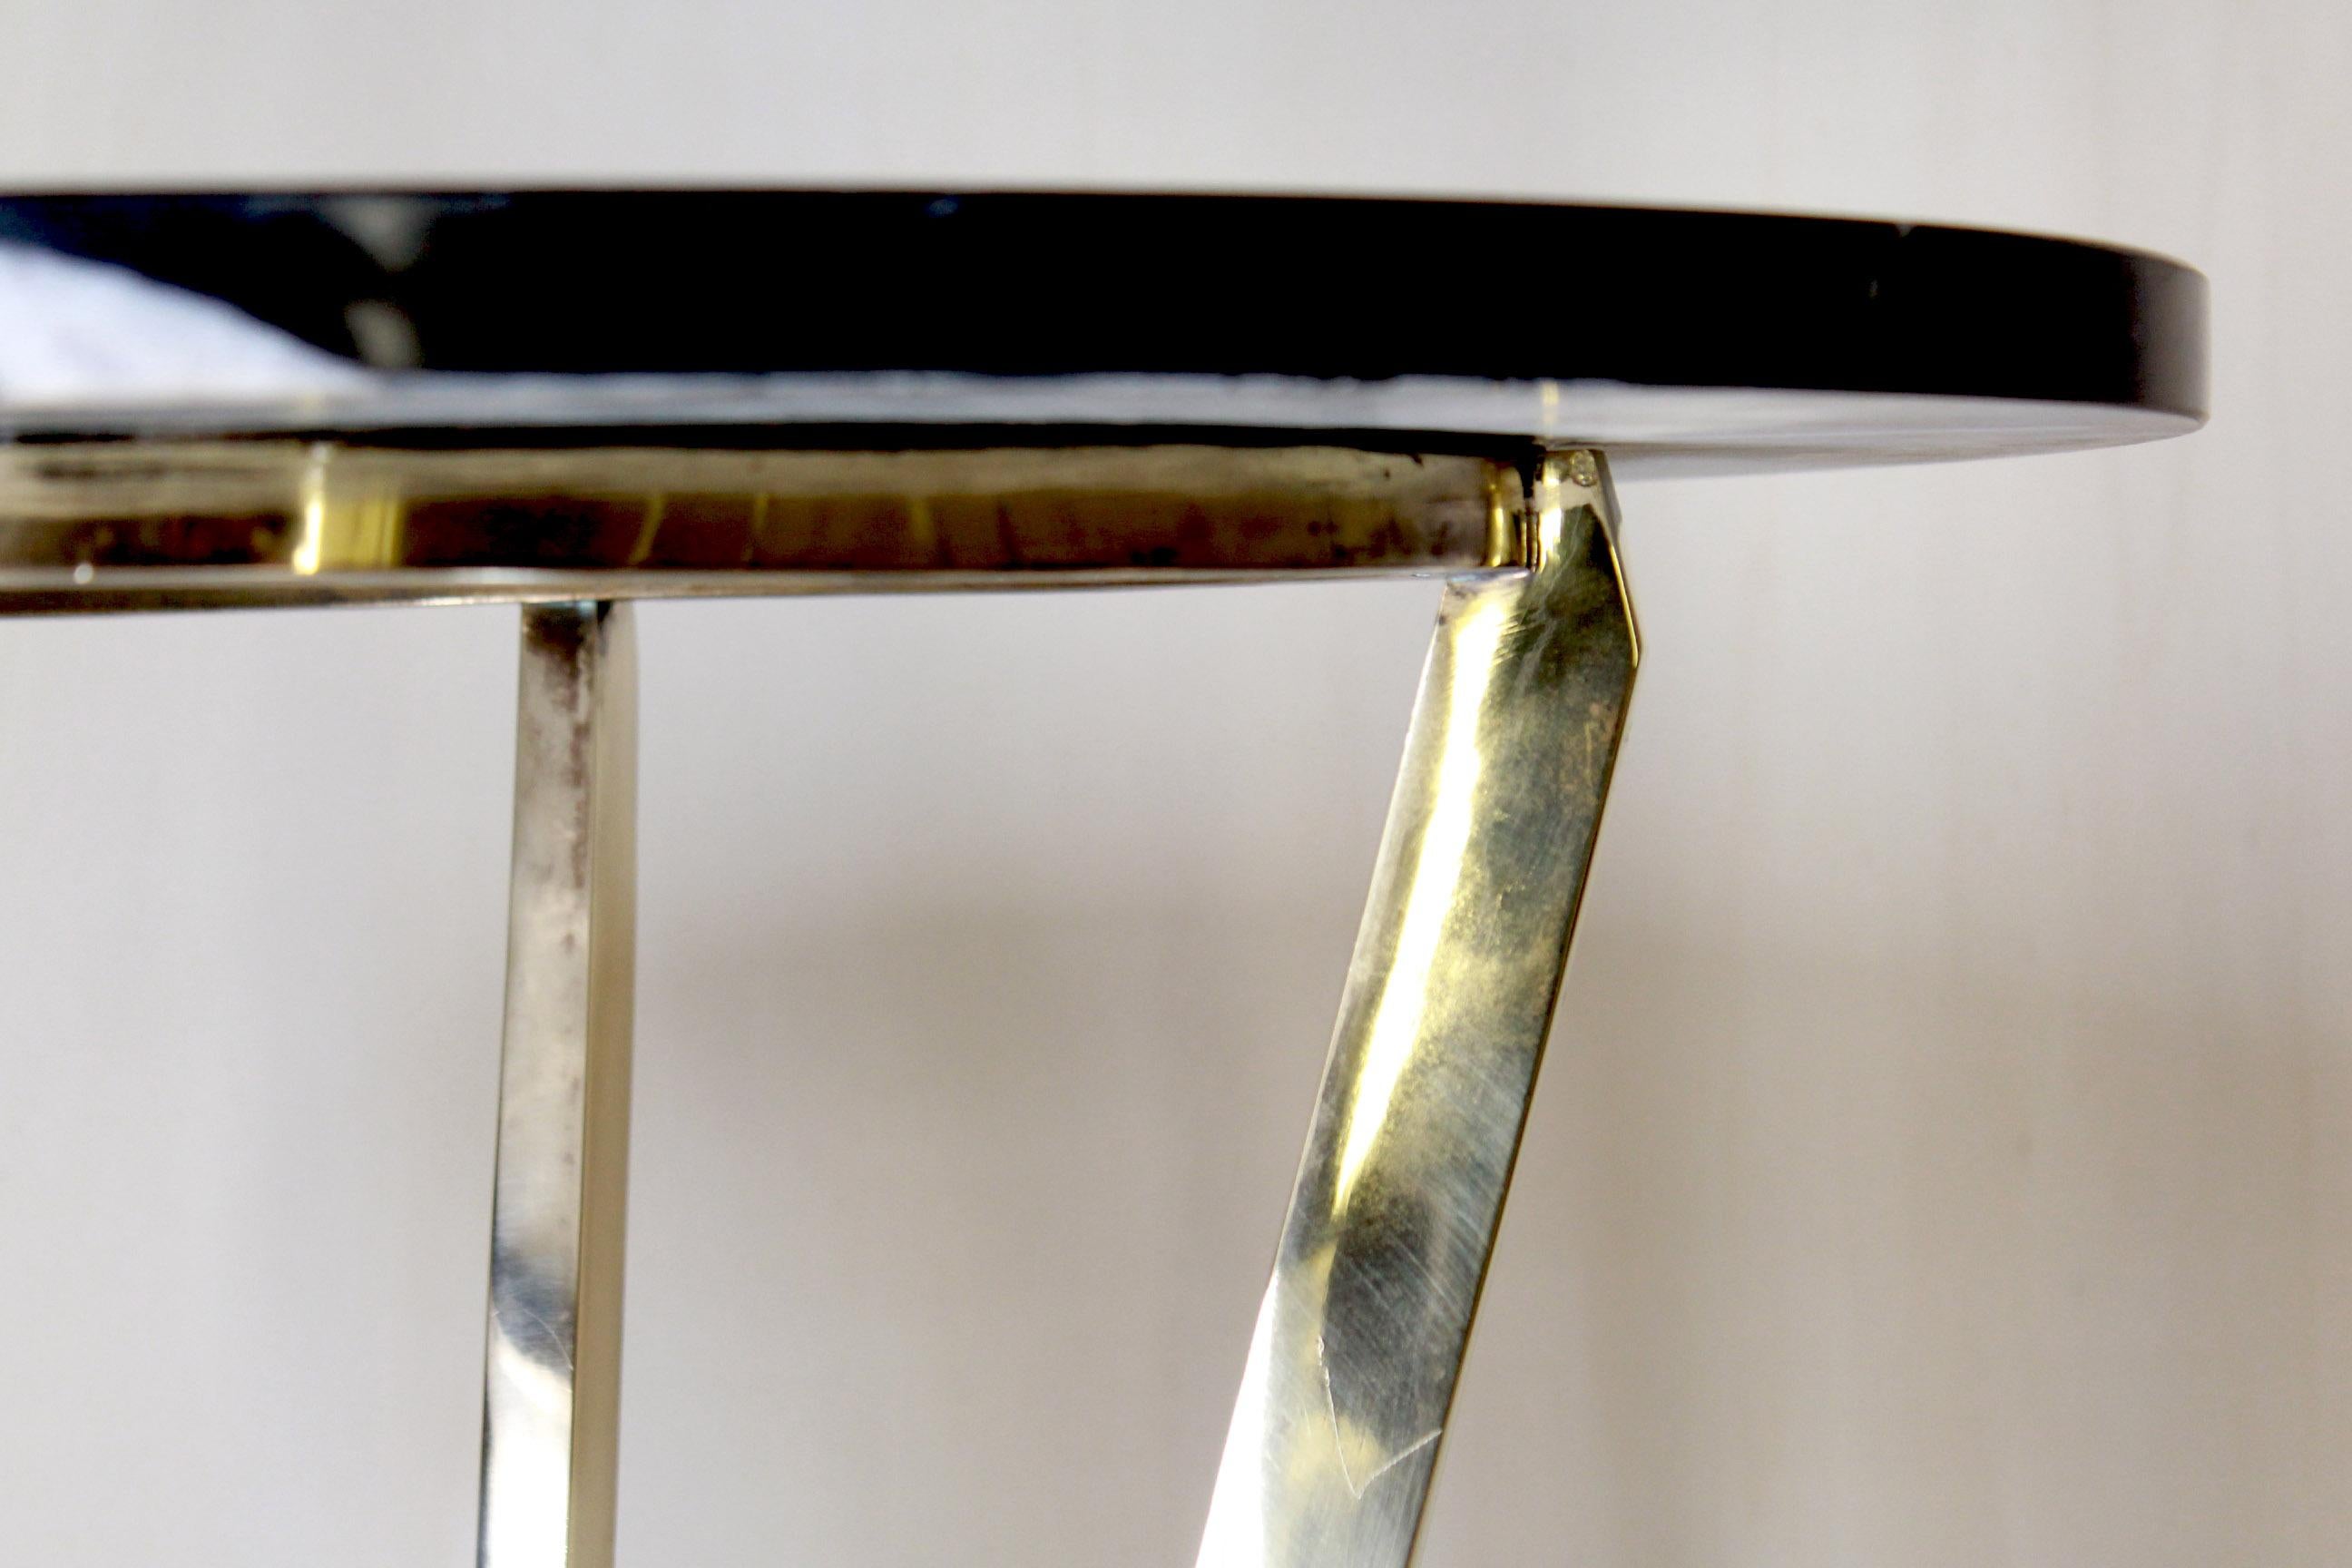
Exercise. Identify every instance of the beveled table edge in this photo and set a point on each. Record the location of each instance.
(953, 304)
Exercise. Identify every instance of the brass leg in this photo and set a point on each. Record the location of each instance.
(1361, 1336)
(551, 1382)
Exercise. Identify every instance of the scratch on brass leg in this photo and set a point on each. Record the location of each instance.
(562, 1348)
(1357, 1488)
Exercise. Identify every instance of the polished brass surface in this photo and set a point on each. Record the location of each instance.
(1360, 1334)
(154, 524)
(552, 1383)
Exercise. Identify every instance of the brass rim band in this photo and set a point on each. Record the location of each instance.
(221, 523)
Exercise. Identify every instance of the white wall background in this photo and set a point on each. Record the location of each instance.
(1946, 1157)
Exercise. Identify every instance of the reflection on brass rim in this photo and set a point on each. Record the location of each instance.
(159, 525)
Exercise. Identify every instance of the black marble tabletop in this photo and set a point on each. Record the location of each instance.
(1678, 340)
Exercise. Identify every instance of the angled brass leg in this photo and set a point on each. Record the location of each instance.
(1361, 1336)
(552, 1384)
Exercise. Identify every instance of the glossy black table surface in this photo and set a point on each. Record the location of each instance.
(1679, 341)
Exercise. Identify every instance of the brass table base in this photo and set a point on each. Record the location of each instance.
(1359, 1344)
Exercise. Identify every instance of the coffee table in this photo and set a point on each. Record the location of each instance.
(570, 400)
